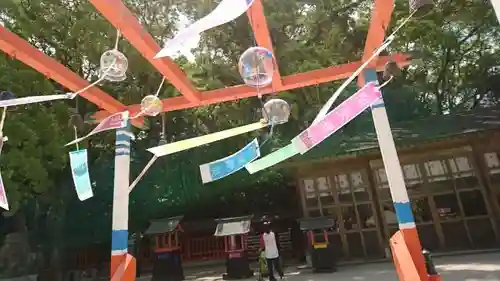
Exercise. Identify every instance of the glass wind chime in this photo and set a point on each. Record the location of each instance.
(256, 67)
(321, 125)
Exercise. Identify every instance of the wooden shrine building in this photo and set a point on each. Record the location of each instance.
(451, 166)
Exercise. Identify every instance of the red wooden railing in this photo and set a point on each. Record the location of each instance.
(194, 249)
(203, 248)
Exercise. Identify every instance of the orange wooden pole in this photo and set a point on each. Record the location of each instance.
(257, 20)
(20, 49)
(379, 22)
(290, 82)
(122, 18)
(381, 16)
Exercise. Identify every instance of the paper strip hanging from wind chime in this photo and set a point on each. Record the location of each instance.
(34, 99)
(272, 159)
(337, 118)
(226, 11)
(331, 123)
(3, 196)
(80, 172)
(186, 144)
(115, 121)
(226, 166)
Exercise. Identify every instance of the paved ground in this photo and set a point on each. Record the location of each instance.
(478, 267)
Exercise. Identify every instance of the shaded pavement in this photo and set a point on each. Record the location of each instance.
(476, 267)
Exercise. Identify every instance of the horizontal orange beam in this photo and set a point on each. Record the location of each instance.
(20, 49)
(122, 18)
(289, 82)
(380, 19)
(257, 20)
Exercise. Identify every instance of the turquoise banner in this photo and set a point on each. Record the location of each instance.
(226, 166)
(80, 172)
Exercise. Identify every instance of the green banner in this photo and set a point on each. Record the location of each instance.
(272, 159)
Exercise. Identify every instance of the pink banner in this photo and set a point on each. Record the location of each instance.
(337, 118)
(115, 121)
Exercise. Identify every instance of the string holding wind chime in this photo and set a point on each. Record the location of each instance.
(418, 9)
(78, 160)
(5, 95)
(151, 105)
(332, 122)
(256, 67)
(113, 68)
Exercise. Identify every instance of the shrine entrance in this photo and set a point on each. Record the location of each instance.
(448, 200)
(348, 199)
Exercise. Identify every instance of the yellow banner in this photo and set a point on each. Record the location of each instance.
(182, 145)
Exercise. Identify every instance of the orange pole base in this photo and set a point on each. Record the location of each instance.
(408, 258)
(123, 268)
(434, 278)
(415, 248)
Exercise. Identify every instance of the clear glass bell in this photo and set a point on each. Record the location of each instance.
(114, 65)
(151, 105)
(277, 111)
(256, 67)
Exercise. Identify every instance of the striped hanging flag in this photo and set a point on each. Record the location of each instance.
(115, 121)
(80, 172)
(337, 118)
(3, 196)
(226, 11)
(226, 166)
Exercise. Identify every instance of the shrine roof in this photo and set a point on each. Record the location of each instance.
(233, 226)
(406, 134)
(163, 225)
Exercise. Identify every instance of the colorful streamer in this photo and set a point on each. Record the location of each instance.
(226, 166)
(337, 118)
(115, 121)
(3, 196)
(174, 147)
(272, 159)
(226, 11)
(34, 99)
(324, 110)
(80, 171)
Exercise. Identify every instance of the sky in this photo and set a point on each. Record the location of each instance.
(193, 43)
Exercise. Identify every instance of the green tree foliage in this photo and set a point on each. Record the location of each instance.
(457, 44)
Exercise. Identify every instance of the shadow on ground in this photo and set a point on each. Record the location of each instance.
(478, 267)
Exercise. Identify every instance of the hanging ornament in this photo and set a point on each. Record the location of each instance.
(115, 121)
(151, 105)
(114, 65)
(391, 69)
(76, 121)
(277, 111)
(421, 8)
(256, 67)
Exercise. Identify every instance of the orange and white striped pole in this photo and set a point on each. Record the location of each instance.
(123, 265)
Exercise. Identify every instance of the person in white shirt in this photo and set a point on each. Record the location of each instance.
(269, 243)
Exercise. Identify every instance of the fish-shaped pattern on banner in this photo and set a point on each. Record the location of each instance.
(80, 172)
(226, 166)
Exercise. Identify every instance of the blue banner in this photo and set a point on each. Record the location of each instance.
(226, 166)
(80, 172)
